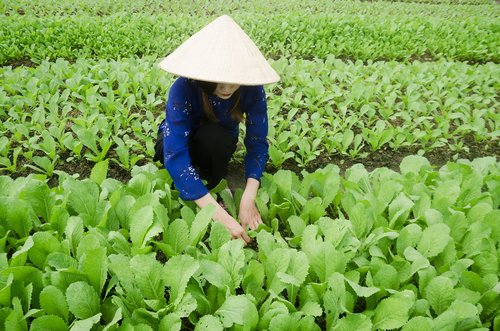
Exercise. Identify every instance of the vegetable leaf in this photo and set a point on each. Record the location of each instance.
(40, 199)
(83, 198)
(44, 244)
(15, 319)
(409, 236)
(48, 323)
(357, 322)
(95, 264)
(82, 300)
(140, 221)
(143, 226)
(52, 301)
(232, 258)
(19, 216)
(176, 273)
(399, 209)
(99, 172)
(323, 258)
(238, 310)
(312, 309)
(176, 237)
(86, 324)
(414, 164)
(361, 290)
(439, 292)
(209, 323)
(434, 240)
(148, 276)
(392, 312)
(171, 322)
(334, 299)
(216, 274)
(418, 323)
(219, 235)
(200, 224)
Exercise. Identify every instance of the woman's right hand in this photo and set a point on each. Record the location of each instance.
(222, 216)
(236, 230)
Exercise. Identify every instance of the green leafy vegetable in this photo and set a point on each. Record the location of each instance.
(238, 310)
(53, 302)
(440, 294)
(176, 274)
(82, 300)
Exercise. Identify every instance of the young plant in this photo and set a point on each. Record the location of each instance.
(10, 164)
(48, 145)
(124, 155)
(379, 135)
(44, 164)
(97, 147)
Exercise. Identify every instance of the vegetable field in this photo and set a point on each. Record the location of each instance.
(380, 201)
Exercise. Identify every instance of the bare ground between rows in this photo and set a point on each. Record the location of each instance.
(236, 175)
(388, 158)
(426, 57)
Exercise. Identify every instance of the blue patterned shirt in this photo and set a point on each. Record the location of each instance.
(184, 115)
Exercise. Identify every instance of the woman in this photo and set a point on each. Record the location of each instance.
(220, 85)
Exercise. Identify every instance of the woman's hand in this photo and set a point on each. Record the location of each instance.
(222, 216)
(249, 215)
(236, 230)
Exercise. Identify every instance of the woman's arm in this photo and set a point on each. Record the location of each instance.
(256, 133)
(257, 154)
(179, 119)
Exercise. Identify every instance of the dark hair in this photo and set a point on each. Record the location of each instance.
(208, 88)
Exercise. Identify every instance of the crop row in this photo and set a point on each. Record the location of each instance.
(80, 110)
(60, 111)
(441, 8)
(336, 107)
(356, 36)
(380, 250)
(452, 2)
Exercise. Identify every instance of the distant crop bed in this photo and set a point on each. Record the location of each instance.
(91, 111)
(384, 31)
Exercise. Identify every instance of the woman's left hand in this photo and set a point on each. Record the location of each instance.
(249, 215)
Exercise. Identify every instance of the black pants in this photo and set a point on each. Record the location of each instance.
(210, 147)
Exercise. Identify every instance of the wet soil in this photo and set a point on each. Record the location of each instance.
(236, 173)
(388, 158)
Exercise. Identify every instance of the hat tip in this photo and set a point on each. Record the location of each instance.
(225, 17)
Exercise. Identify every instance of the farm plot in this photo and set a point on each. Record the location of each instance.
(93, 236)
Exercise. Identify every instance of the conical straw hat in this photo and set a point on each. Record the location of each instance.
(220, 52)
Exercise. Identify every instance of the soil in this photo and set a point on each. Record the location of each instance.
(236, 173)
(388, 158)
(14, 63)
(81, 167)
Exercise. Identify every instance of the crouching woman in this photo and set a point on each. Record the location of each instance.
(221, 73)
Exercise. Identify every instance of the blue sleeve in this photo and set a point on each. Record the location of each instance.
(178, 126)
(256, 134)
